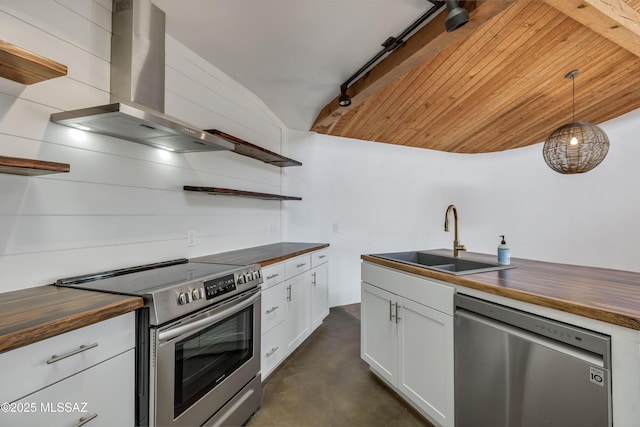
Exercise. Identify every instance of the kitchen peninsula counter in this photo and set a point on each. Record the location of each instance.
(33, 314)
(608, 295)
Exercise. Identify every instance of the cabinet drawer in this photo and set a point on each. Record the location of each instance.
(319, 257)
(273, 307)
(272, 274)
(297, 265)
(273, 350)
(26, 369)
(104, 393)
(426, 291)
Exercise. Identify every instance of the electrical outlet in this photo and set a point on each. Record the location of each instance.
(191, 238)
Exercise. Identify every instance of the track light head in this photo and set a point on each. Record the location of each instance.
(344, 100)
(457, 16)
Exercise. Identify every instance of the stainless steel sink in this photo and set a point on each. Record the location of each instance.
(443, 263)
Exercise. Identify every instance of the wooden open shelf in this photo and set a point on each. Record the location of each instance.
(29, 167)
(250, 150)
(216, 191)
(26, 67)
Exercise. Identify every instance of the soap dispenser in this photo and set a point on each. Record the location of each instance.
(504, 255)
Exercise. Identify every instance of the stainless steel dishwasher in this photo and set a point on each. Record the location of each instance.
(514, 369)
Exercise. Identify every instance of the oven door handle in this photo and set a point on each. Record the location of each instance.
(195, 325)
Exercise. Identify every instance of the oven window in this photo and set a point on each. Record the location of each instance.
(203, 360)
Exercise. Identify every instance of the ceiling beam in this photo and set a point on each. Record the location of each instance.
(613, 19)
(423, 46)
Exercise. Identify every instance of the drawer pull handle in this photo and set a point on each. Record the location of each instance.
(272, 309)
(273, 276)
(322, 256)
(301, 265)
(82, 421)
(273, 350)
(55, 358)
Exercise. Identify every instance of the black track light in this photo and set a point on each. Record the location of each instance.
(344, 100)
(457, 16)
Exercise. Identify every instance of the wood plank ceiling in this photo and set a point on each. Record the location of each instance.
(498, 82)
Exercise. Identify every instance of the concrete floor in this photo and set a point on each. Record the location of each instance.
(325, 383)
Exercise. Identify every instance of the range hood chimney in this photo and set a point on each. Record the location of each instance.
(136, 112)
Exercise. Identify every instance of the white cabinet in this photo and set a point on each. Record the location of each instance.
(379, 338)
(295, 301)
(83, 377)
(408, 342)
(297, 320)
(319, 288)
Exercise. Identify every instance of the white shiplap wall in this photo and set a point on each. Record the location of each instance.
(122, 203)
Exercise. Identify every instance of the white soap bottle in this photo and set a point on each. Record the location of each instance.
(504, 254)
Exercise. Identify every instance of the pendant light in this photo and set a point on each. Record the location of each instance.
(575, 147)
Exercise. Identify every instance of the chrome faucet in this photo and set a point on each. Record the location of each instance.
(457, 247)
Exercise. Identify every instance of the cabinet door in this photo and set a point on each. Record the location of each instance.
(425, 359)
(100, 396)
(379, 331)
(319, 294)
(297, 318)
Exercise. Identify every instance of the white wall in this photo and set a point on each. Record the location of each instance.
(365, 197)
(122, 203)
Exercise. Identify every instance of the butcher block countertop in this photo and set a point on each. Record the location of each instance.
(34, 314)
(612, 296)
(263, 255)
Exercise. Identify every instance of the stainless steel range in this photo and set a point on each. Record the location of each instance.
(198, 340)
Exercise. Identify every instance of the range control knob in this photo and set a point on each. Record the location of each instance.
(183, 298)
(196, 294)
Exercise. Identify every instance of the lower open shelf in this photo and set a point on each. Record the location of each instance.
(29, 167)
(217, 191)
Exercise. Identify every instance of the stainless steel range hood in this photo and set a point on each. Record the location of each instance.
(136, 111)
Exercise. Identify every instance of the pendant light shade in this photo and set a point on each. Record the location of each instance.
(575, 147)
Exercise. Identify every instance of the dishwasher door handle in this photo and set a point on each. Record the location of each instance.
(586, 356)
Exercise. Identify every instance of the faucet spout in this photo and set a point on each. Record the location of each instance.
(457, 246)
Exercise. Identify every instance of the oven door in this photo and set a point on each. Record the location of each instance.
(204, 360)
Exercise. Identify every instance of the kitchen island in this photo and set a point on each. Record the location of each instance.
(601, 300)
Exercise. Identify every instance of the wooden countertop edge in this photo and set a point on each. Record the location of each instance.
(26, 336)
(281, 258)
(596, 313)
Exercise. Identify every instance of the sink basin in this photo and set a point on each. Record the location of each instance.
(442, 263)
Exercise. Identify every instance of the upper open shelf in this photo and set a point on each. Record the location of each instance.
(25, 67)
(250, 150)
(29, 167)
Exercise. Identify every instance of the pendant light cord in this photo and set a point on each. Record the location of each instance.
(573, 79)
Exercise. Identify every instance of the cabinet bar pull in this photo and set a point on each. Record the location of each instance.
(301, 265)
(322, 256)
(82, 421)
(289, 293)
(397, 317)
(314, 278)
(273, 350)
(391, 311)
(55, 358)
(272, 309)
(273, 276)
